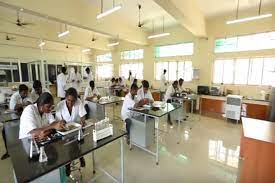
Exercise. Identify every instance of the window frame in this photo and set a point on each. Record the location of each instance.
(123, 54)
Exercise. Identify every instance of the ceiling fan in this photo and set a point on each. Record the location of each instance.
(139, 12)
(8, 38)
(19, 21)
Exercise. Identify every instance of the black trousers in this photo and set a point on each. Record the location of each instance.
(169, 117)
(62, 99)
(128, 122)
(4, 138)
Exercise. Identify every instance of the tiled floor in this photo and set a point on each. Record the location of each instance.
(208, 152)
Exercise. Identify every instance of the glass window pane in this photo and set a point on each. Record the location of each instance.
(255, 71)
(218, 72)
(52, 73)
(174, 50)
(15, 73)
(160, 66)
(104, 71)
(188, 71)
(241, 71)
(269, 72)
(228, 71)
(172, 71)
(24, 72)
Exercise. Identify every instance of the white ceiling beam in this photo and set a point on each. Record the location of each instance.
(187, 13)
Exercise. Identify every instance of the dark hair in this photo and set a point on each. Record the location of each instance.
(134, 87)
(72, 92)
(135, 80)
(44, 98)
(116, 79)
(164, 70)
(63, 69)
(181, 79)
(120, 79)
(37, 84)
(92, 84)
(145, 84)
(23, 87)
(175, 82)
(113, 79)
(87, 69)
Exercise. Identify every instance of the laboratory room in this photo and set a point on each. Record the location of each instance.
(137, 91)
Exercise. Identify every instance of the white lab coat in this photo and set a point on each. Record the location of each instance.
(62, 111)
(61, 85)
(89, 92)
(127, 104)
(142, 95)
(163, 82)
(169, 92)
(31, 119)
(34, 96)
(131, 80)
(17, 99)
(74, 78)
(181, 88)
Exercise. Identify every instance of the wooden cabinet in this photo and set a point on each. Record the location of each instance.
(211, 106)
(258, 165)
(257, 111)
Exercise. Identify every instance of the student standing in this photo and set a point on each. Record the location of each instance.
(75, 79)
(71, 110)
(89, 75)
(171, 90)
(61, 83)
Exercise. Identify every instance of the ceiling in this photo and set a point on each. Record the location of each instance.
(80, 16)
(213, 8)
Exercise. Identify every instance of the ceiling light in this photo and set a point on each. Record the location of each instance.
(259, 16)
(108, 12)
(158, 35)
(63, 33)
(86, 50)
(42, 43)
(249, 19)
(113, 44)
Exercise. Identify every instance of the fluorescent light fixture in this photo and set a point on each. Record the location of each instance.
(63, 33)
(249, 19)
(158, 35)
(86, 50)
(113, 44)
(108, 12)
(42, 43)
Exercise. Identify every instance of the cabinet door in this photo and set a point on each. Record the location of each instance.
(156, 96)
(257, 111)
(210, 105)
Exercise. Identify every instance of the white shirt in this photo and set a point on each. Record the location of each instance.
(62, 111)
(89, 92)
(131, 79)
(163, 82)
(61, 85)
(181, 88)
(34, 96)
(142, 95)
(76, 77)
(169, 92)
(31, 119)
(127, 104)
(17, 99)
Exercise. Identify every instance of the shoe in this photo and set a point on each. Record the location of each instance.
(82, 162)
(68, 170)
(170, 123)
(5, 156)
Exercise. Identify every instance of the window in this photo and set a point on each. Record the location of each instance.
(135, 68)
(52, 72)
(250, 42)
(104, 58)
(132, 54)
(104, 71)
(24, 72)
(253, 71)
(15, 73)
(175, 70)
(174, 50)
